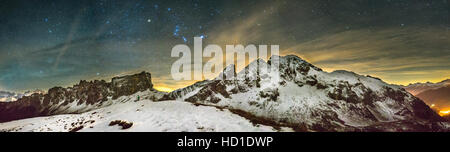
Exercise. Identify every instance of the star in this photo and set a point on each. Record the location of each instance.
(123, 31)
(177, 29)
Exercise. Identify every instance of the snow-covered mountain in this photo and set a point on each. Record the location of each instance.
(292, 95)
(306, 98)
(144, 115)
(417, 88)
(6, 96)
(29, 93)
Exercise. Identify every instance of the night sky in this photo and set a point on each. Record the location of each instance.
(57, 43)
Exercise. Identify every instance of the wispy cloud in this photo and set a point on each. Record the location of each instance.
(395, 54)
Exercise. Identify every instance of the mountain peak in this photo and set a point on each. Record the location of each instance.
(228, 72)
(289, 60)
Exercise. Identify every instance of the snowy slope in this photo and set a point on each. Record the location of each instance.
(145, 115)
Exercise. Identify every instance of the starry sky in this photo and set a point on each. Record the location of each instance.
(47, 43)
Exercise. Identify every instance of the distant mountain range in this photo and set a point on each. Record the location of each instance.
(435, 94)
(418, 88)
(294, 96)
(6, 96)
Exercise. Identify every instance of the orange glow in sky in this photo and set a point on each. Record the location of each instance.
(163, 89)
(444, 112)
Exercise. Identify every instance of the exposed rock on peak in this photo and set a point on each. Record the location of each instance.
(228, 73)
(290, 60)
(127, 85)
(84, 96)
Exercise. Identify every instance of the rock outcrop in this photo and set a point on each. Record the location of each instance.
(81, 97)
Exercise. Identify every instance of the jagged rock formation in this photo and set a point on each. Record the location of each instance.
(82, 97)
(306, 98)
(179, 93)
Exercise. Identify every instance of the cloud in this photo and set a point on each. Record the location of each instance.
(398, 55)
(331, 35)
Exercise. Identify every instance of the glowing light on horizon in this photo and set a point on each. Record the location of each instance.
(164, 89)
(445, 112)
